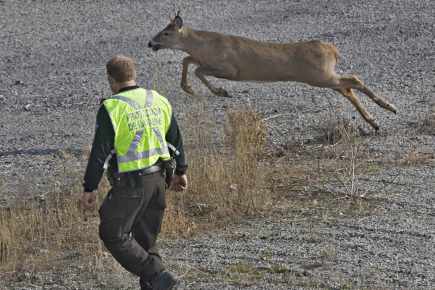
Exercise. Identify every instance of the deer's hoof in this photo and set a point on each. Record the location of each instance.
(375, 126)
(187, 89)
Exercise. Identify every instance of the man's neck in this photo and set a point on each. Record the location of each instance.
(124, 85)
(127, 89)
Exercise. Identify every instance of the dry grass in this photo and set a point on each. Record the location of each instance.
(336, 130)
(427, 124)
(33, 236)
(415, 157)
(324, 179)
(40, 233)
(226, 182)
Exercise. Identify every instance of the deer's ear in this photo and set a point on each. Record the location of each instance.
(178, 21)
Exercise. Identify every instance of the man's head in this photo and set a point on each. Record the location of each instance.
(121, 72)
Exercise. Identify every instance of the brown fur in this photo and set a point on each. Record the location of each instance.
(242, 59)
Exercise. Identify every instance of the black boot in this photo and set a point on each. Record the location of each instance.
(162, 281)
(145, 285)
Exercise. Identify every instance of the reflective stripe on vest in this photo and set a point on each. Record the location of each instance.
(141, 116)
(132, 155)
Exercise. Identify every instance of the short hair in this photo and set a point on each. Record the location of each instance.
(121, 68)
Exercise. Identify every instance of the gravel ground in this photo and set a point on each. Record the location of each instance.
(52, 55)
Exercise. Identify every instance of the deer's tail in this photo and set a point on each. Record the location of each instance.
(334, 51)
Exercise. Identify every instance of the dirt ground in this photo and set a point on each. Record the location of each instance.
(52, 56)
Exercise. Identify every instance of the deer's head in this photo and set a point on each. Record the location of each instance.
(170, 36)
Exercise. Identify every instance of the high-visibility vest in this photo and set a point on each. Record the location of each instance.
(140, 119)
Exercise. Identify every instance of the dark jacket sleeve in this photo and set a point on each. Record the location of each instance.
(101, 148)
(173, 136)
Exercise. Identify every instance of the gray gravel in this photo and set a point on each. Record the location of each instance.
(52, 56)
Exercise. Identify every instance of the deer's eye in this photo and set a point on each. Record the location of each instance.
(166, 33)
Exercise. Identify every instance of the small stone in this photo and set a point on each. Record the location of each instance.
(44, 251)
(27, 107)
(23, 276)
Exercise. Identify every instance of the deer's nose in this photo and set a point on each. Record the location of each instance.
(149, 44)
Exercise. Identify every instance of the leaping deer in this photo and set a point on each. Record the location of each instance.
(243, 59)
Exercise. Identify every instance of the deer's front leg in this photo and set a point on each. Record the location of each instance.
(184, 85)
(226, 73)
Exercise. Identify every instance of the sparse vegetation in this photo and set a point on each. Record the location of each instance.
(427, 125)
(226, 183)
(222, 184)
(329, 212)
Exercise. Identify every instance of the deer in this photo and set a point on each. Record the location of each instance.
(239, 58)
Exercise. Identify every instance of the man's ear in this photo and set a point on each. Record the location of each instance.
(113, 84)
(110, 79)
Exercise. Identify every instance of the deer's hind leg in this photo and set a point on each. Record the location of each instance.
(348, 94)
(352, 82)
(226, 73)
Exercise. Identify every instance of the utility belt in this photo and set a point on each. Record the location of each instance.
(135, 178)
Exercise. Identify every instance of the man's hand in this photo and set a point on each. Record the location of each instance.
(88, 200)
(179, 182)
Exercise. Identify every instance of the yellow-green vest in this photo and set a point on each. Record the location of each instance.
(140, 119)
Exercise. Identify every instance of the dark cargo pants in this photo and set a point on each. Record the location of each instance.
(131, 218)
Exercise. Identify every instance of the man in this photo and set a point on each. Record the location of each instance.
(129, 141)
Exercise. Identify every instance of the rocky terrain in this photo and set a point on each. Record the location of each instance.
(52, 75)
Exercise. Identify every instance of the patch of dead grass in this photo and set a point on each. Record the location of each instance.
(226, 182)
(416, 157)
(427, 125)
